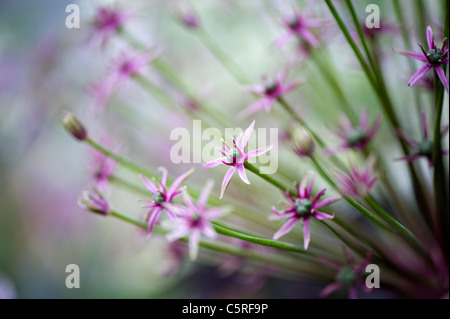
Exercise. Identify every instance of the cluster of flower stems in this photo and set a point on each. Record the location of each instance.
(430, 217)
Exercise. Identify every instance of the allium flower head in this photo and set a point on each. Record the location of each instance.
(302, 207)
(358, 183)
(434, 59)
(270, 91)
(349, 276)
(355, 137)
(162, 197)
(300, 25)
(235, 157)
(94, 201)
(194, 220)
(423, 148)
(107, 21)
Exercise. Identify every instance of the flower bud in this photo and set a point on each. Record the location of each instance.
(73, 126)
(188, 18)
(303, 143)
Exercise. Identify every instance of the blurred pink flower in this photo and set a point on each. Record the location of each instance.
(193, 220)
(358, 183)
(107, 21)
(94, 201)
(270, 91)
(423, 148)
(349, 275)
(355, 137)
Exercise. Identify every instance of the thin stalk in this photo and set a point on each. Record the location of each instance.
(297, 118)
(220, 54)
(219, 247)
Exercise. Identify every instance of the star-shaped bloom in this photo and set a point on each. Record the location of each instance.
(235, 157)
(423, 148)
(302, 207)
(355, 137)
(349, 275)
(300, 25)
(358, 182)
(434, 59)
(107, 21)
(269, 91)
(194, 220)
(162, 197)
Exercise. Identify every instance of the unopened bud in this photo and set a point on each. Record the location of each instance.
(303, 143)
(94, 202)
(73, 126)
(188, 18)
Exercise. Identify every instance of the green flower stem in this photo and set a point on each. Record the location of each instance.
(407, 41)
(349, 200)
(439, 178)
(402, 229)
(327, 70)
(223, 248)
(382, 94)
(356, 249)
(220, 54)
(297, 118)
(139, 169)
(275, 182)
(221, 229)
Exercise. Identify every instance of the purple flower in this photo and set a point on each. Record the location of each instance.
(130, 64)
(127, 65)
(193, 220)
(270, 91)
(102, 167)
(94, 201)
(434, 59)
(235, 157)
(108, 21)
(302, 207)
(348, 275)
(358, 183)
(355, 137)
(162, 197)
(300, 25)
(423, 148)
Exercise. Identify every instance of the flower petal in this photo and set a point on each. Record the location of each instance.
(326, 202)
(330, 289)
(322, 216)
(259, 151)
(242, 175)
(194, 240)
(246, 136)
(430, 40)
(177, 183)
(226, 180)
(421, 72)
(306, 233)
(214, 163)
(411, 54)
(151, 186)
(204, 195)
(286, 228)
(442, 77)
